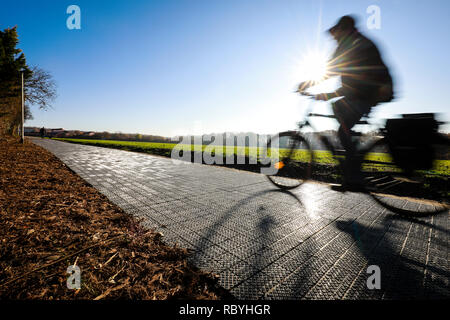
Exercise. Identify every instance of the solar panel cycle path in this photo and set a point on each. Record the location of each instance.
(311, 243)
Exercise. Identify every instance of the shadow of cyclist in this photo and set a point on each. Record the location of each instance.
(257, 252)
(408, 269)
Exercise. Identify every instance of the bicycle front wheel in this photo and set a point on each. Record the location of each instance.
(406, 191)
(291, 160)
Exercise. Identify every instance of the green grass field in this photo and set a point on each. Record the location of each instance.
(441, 167)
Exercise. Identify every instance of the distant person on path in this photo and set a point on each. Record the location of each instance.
(42, 132)
(366, 81)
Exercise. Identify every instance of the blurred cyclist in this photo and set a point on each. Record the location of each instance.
(366, 81)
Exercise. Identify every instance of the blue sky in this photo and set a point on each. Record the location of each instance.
(173, 67)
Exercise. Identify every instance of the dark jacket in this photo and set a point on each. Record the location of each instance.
(358, 61)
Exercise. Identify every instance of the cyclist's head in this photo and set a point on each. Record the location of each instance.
(343, 27)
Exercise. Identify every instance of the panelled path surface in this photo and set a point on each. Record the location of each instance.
(311, 243)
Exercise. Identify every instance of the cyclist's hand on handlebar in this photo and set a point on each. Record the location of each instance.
(307, 94)
(303, 86)
(319, 97)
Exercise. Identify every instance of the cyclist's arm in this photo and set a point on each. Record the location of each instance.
(334, 69)
(308, 84)
(329, 95)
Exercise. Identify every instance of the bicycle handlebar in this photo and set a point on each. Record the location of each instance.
(306, 94)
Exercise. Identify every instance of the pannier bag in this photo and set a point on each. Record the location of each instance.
(410, 140)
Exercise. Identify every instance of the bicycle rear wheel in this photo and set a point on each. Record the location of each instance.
(406, 191)
(291, 160)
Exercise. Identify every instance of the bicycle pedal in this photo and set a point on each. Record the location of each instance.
(325, 141)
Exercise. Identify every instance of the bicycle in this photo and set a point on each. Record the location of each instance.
(389, 175)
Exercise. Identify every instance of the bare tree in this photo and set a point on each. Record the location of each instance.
(40, 88)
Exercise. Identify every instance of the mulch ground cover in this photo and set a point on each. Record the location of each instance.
(51, 219)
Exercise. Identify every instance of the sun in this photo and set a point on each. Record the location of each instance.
(313, 66)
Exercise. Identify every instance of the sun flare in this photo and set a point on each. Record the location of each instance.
(313, 66)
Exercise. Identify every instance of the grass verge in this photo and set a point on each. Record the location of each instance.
(322, 158)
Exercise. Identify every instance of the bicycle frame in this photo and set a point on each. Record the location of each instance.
(324, 139)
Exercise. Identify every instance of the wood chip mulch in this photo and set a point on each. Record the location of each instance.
(51, 219)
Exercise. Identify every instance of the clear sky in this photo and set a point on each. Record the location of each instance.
(171, 67)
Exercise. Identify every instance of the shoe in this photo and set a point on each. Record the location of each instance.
(355, 187)
(338, 187)
(348, 187)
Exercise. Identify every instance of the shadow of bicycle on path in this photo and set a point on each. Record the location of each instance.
(326, 261)
(411, 254)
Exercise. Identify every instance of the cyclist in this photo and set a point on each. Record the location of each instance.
(42, 132)
(365, 80)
